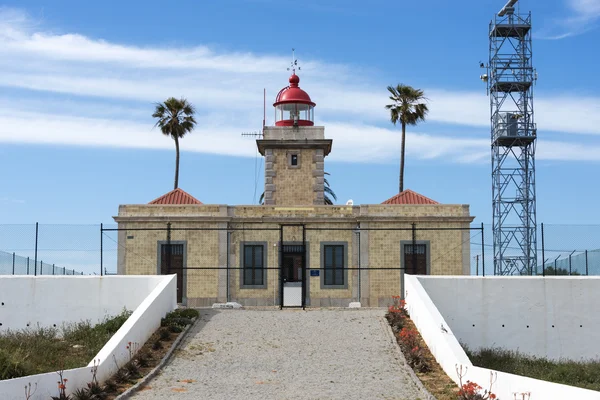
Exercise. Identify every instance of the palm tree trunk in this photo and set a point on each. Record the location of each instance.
(402, 147)
(176, 162)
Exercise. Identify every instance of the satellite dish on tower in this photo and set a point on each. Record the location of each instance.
(350, 202)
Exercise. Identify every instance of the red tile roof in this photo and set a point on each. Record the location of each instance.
(409, 197)
(176, 196)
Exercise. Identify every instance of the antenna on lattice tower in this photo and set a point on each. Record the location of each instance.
(509, 78)
(252, 134)
(508, 8)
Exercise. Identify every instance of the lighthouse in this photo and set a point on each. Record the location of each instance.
(294, 150)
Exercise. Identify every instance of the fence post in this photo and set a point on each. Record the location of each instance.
(52, 269)
(36, 247)
(13, 263)
(587, 272)
(168, 248)
(41, 267)
(570, 272)
(414, 247)
(482, 251)
(359, 267)
(101, 250)
(280, 266)
(27, 265)
(543, 254)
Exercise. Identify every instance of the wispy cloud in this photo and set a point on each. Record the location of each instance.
(11, 200)
(76, 90)
(581, 16)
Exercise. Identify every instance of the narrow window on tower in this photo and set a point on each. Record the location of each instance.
(294, 160)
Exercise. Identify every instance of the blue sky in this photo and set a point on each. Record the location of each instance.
(78, 81)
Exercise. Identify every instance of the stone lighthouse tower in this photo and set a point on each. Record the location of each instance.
(294, 150)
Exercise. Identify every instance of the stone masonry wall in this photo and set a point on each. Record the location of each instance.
(449, 249)
(294, 185)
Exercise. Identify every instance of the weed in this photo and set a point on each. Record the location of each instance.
(180, 317)
(471, 390)
(143, 359)
(110, 386)
(584, 374)
(397, 314)
(415, 355)
(189, 313)
(122, 376)
(10, 368)
(28, 393)
(82, 394)
(62, 388)
(157, 345)
(164, 334)
(132, 369)
(40, 350)
(96, 391)
(175, 329)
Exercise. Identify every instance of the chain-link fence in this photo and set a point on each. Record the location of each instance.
(262, 263)
(40, 249)
(561, 250)
(93, 249)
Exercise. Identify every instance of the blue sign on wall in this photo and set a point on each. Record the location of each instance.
(314, 272)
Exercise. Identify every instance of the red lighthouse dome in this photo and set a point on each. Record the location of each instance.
(293, 106)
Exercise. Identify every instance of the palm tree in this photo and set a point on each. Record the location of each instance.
(408, 108)
(175, 119)
(328, 192)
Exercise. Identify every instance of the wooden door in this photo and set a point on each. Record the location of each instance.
(415, 259)
(174, 265)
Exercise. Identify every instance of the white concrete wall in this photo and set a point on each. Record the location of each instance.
(158, 297)
(446, 349)
(552, 317)
(27, 301)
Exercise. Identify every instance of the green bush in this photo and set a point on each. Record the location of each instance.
(181, 317)
(157, 345)
(175, 329)
(164, 334)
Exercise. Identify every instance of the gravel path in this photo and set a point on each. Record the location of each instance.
(321, 354)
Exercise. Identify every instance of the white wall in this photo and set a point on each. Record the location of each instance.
(552, 317)
(424, 311)
(151, 298)
(54, 300)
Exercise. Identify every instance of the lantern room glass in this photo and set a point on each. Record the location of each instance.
(291, 111)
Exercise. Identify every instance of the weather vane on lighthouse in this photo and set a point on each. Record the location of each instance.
(294, 62)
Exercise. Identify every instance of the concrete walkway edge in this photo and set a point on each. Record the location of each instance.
(138, 386)
(388, 330)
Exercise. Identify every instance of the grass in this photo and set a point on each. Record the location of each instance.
(581, 374)
(40, 350)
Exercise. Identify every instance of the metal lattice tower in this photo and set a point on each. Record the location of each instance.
(510, 87)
